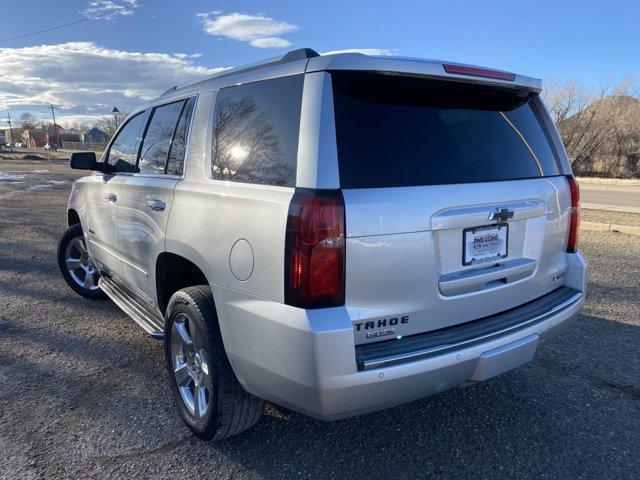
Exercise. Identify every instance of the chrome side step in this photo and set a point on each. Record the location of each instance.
(143, 314)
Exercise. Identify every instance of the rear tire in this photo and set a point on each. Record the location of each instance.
(210, 399)
(76, 266)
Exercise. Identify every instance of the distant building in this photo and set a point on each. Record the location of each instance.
(65, 137)
(12, 135)
(95, 135)
(34, 137)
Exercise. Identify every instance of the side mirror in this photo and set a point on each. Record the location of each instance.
(84, 161)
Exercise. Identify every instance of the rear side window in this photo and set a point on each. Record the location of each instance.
(157, 139)
(399, 131)
(123, 152)
(180, 137)
(256, 126)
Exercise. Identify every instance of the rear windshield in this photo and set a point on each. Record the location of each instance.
(397, 131)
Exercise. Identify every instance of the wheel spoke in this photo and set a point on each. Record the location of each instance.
(180, 330)
(73, 263)
(199, 401)
(88, 280)
(78, 243)
(205, 370)
(182, 375)
(195, 335)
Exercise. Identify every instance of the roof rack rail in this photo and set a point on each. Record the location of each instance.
(292, 56)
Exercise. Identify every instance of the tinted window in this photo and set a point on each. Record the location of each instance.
(256, 128)
(179, 144)
(123, 152)
(400, 131)
(157, 139)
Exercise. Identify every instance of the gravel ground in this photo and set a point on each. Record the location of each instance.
(605, 216)
(83, 391)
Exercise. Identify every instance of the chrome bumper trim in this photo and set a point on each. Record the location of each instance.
(418, 354)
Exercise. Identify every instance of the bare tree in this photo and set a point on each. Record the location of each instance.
(599, 127)
(27, 121)
(108, 123)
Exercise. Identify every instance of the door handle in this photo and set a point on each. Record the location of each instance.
(156, 205)
(111, 197)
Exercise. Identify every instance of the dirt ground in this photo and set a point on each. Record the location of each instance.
(84, 394)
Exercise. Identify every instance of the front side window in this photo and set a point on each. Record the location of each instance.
(157, 139)
(256, 126)
(123, 152)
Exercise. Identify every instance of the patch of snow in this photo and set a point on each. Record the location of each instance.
(9, 177)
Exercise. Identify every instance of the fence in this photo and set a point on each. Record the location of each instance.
(84, 146)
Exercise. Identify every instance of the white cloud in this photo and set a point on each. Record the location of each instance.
(270, 42)
(187, 55)
(88, 79)
(258, 30)
(109, 9)
(365, 51)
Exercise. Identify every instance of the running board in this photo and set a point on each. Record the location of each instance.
(140, 312)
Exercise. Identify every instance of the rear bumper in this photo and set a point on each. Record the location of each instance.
(306, 360)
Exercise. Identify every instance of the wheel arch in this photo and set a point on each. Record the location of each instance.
(72, 217)
(174, 272)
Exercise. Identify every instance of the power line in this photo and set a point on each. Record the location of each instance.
(56, 27)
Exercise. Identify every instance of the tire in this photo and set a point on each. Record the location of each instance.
(229, 409)
(72, 247)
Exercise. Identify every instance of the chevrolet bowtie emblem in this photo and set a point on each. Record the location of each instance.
(501, 214)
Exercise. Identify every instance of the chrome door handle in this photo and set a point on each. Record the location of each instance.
(156, 205)
(111, 197)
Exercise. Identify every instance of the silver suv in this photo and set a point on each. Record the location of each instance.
(335, 234)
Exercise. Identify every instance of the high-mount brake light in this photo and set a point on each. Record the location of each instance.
(574, 221)
(479, 72)
(315, 249)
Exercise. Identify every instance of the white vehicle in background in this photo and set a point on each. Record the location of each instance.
(336, 234)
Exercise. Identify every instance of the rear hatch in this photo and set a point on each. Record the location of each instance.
(455, 204)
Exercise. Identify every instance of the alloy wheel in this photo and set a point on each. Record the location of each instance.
(80, 266)
(190, 365)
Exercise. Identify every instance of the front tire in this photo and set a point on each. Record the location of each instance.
(209, 397)
(76, 266)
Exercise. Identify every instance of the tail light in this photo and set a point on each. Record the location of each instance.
(574, 222)
(314, 251)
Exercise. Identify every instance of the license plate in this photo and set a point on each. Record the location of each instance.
(485, 244)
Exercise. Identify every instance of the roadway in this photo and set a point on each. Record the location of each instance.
(617, 198)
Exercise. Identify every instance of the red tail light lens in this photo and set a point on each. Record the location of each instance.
(314, 252)
(479, 72)
(574, 222)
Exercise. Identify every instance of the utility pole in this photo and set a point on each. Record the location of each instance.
(55, 127)
(10, 131)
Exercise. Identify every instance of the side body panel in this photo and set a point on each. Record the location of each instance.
(100, 220)
(209, 217)
(143, 211)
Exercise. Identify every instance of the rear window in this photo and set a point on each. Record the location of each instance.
(396, 131)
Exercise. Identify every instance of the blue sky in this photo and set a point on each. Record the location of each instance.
(136, 48)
